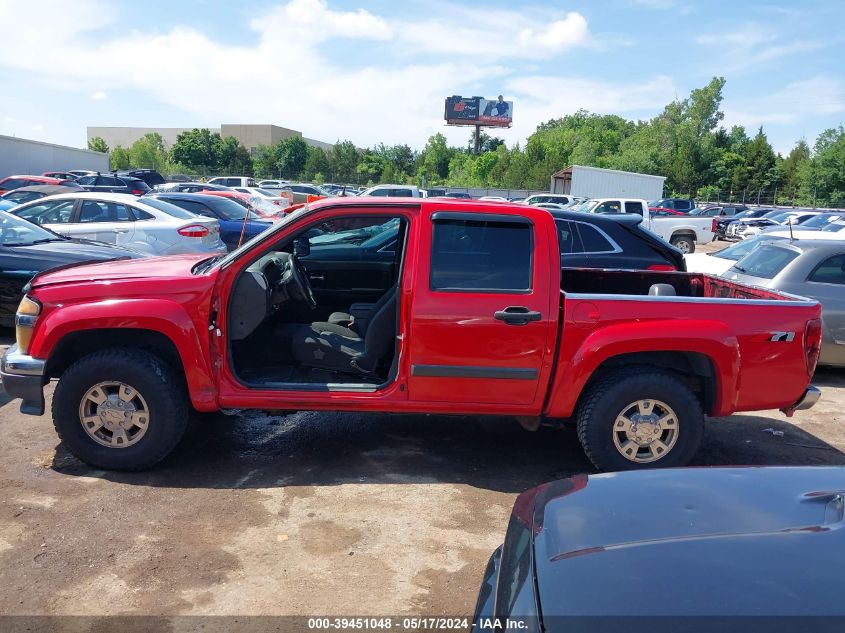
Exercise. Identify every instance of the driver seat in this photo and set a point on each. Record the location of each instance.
(338, 348)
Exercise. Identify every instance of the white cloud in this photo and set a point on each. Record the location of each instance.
(752, 45)
(98, 96)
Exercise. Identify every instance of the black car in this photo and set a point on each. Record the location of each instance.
(27, 249)
(718, 210)
(650, 550)
(589, 240)
(28, 194)
(190, 187)
(149, 176)
(676, 204)
(114, 183)
(720, 225)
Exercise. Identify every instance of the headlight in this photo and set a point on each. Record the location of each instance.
(27, 314)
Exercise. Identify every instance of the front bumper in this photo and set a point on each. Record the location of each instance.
(807, 401)
(23, 377)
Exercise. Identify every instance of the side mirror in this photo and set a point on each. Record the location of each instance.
(301, 247)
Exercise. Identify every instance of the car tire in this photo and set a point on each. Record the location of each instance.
(685, 243)
(156, 390)
(605, 404)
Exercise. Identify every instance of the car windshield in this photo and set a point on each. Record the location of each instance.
(741, 249)
(834, 227)
(166, 207)
(15, 231)
(586, 206)
(657, 203)
(766, 261)
(820, 221)
(779, 217)
(262, 205)
(231, 210)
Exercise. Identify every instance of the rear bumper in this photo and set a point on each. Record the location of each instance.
(807, 401)
(23, 377)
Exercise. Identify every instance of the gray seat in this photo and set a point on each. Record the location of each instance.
(336, 347)
(662, 290)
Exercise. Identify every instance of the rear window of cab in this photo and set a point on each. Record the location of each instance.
(766, 261)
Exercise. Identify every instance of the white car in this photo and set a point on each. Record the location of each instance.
(282, 201)
(395, 191)
(273, 184)
(547, 198)
(744, 230)
(233, 181)
(147, 225)
(494, 198)
(720, 261)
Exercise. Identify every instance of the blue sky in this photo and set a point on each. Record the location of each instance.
(379, 71)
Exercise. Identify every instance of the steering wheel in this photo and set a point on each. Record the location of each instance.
(299, 280)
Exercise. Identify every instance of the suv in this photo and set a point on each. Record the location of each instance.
(149, 176)
(301, 191)
(676, 204)
(394, 191)
(113, 183)
(233, 181)
(545, 198)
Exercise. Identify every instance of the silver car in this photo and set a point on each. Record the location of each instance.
(809, 268)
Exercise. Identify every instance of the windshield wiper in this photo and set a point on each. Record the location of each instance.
(206, 264)
(740, 268)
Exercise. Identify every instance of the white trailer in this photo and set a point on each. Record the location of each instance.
(23, 156)
(593, 182)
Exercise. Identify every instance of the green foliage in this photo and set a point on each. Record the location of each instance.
(316, 163)
(148, 152)
(198, 149)
(343, 161)
(97, 144)
(119, 158)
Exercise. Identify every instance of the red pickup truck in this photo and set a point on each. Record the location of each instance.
(405, 305)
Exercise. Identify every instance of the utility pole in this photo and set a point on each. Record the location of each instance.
(477, 139)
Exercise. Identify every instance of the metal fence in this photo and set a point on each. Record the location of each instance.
(770, 197)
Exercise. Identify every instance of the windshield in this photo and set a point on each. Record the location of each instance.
(766, 261)
(169, 209)
(354, 236)
(586, 206)
(779, 217)
(262, 205)
(834, 227)
(820, 221)
(15, 231)
(741, 249)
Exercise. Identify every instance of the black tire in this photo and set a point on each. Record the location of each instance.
(161, 387)
(605, 400)
(685, 243)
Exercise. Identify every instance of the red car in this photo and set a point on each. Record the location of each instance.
(16, 182)
(406, 305)
(261, 207)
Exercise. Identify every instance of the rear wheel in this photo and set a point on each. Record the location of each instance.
(685, 243)
(120, 409)
(646, 420)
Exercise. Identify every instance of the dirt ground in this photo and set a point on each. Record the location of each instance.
(308, 514)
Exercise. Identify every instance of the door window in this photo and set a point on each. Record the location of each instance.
(13, 183)
(634, 207)
(481, 256)
(102, 211)
(48, 212)
(830, 271)
(86, 180)
(610, 206)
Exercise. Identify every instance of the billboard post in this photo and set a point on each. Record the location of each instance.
(478, 112)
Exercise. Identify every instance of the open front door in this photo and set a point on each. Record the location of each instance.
(482, 316)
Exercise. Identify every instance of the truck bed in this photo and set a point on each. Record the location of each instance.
(687, 285)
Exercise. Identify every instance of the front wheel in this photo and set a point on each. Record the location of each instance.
(120, 409)
(643, 420)
(685, 243)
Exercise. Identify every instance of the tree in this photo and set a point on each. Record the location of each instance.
(148, 152)
(292, 153)
(343, 161)
(760, 160)
(372, 165)
(198, 149)
(119, 158)
(316, 162)
(792, 166)
(234, 157)
(97, 144)
(434, 159)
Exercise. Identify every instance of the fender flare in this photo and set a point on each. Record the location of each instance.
(711, 339)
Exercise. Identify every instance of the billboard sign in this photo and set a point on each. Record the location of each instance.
(479, 111)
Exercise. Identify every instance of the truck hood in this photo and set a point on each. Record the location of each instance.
(696, 541)
(159, 267)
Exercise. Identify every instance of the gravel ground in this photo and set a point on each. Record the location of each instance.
(310, 513)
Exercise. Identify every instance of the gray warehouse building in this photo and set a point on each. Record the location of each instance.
(250, 135)
(23, 156)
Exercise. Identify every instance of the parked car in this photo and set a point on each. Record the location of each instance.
(715, 211)
(460, 195)
(272, 184)
(144, 224)
(750, 228)
(607, 241)
(662, 212)
(494, 199)
(27, 249)
(190, 187)
(721, 223)
(149, 176)
(302, 191)
(82, 172)
(113, 183)
(549, 197)
(233, 181)
(11, 183)
(718, 262)
(394, 191)
(264, 208)
(60, 175)
(27, 194)
(270, 195)
(676, 204)
(680, 231)
(811, 268)
(815, 222)
(476, 321)
(744, 547)
(237, 224)
(549, 206)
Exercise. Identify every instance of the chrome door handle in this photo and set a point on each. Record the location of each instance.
(317, 277)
